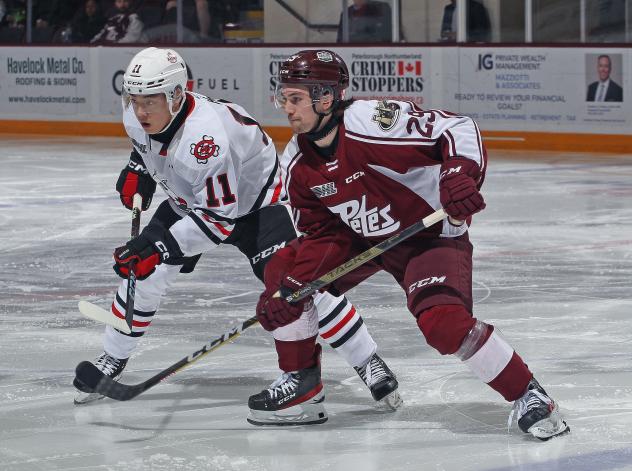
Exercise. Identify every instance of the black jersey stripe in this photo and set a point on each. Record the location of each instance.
(266, 187)
(138, 313)
(332, 315)
(348, 334)
(204, 228)
(216, 216)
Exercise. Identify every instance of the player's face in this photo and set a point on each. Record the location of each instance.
(121, 5)
(603, 67)
(151, 111)
(297, 104)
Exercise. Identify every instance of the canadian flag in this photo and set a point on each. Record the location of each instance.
(408, 68)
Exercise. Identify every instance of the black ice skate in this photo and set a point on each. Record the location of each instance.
(538, 414)
(381, 381)
(295, 398)
(110, 366)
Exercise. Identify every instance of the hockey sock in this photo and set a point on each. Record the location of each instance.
(451, 329)
(297, 355)
(343, 329)
(493, 360)
(118, 344)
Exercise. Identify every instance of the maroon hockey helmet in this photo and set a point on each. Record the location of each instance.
(322, 70)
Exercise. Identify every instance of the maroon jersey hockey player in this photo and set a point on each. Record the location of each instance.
(359, 171)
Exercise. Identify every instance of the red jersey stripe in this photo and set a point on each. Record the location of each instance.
(117, 313)
(345, 320)
(277, 191)
(222, 229)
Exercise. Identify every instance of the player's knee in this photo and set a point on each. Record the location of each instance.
(445, 327)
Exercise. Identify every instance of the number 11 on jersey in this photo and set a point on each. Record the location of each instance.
(227, 195)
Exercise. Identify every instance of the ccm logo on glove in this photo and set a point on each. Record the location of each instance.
(458, 190)
(134, 178)
(152, 247)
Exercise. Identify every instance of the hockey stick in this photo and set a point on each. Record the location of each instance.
(137, 203)
(94, 379)
(96, 313)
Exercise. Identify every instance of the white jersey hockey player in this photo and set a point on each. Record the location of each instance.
(223, 179)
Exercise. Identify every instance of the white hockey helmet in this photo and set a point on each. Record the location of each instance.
(155, 70)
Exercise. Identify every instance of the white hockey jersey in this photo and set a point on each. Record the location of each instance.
(219, 166)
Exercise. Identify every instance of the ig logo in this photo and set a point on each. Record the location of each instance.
(485, 62)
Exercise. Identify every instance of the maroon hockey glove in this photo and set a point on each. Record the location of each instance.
(274, 312)
(458, 192)
(152, 247)
(134, 178)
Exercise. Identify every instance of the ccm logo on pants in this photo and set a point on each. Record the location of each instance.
(267, 252)
(425, 282)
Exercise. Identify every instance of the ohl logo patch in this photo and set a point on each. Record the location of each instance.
(205, 149)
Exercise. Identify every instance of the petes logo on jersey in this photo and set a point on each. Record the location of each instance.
(205, 149)
(367, 222)
(386, 115)
(327, 189)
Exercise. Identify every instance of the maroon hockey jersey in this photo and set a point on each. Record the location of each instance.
(383, 177)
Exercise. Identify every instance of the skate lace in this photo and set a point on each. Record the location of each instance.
(373, 372)
(107, 364)
(283, 385)
(531, 400)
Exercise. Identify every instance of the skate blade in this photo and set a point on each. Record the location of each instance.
(391, 402)
(545, 433)
(552, 426)
(86, 398)
(302, 414)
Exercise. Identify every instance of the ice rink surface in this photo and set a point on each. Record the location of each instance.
(552, 271)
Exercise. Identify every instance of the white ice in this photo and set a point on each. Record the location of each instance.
(552, 271)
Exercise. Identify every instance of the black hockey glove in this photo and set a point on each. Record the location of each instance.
(155, 245)
(134, 178)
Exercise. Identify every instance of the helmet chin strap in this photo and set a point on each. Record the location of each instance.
(316, 134)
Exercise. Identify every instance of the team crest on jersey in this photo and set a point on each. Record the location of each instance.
(327, 189)
(205, 149)
(369, 222)
(386, 115)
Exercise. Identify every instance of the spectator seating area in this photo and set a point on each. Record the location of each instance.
(80, 21)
